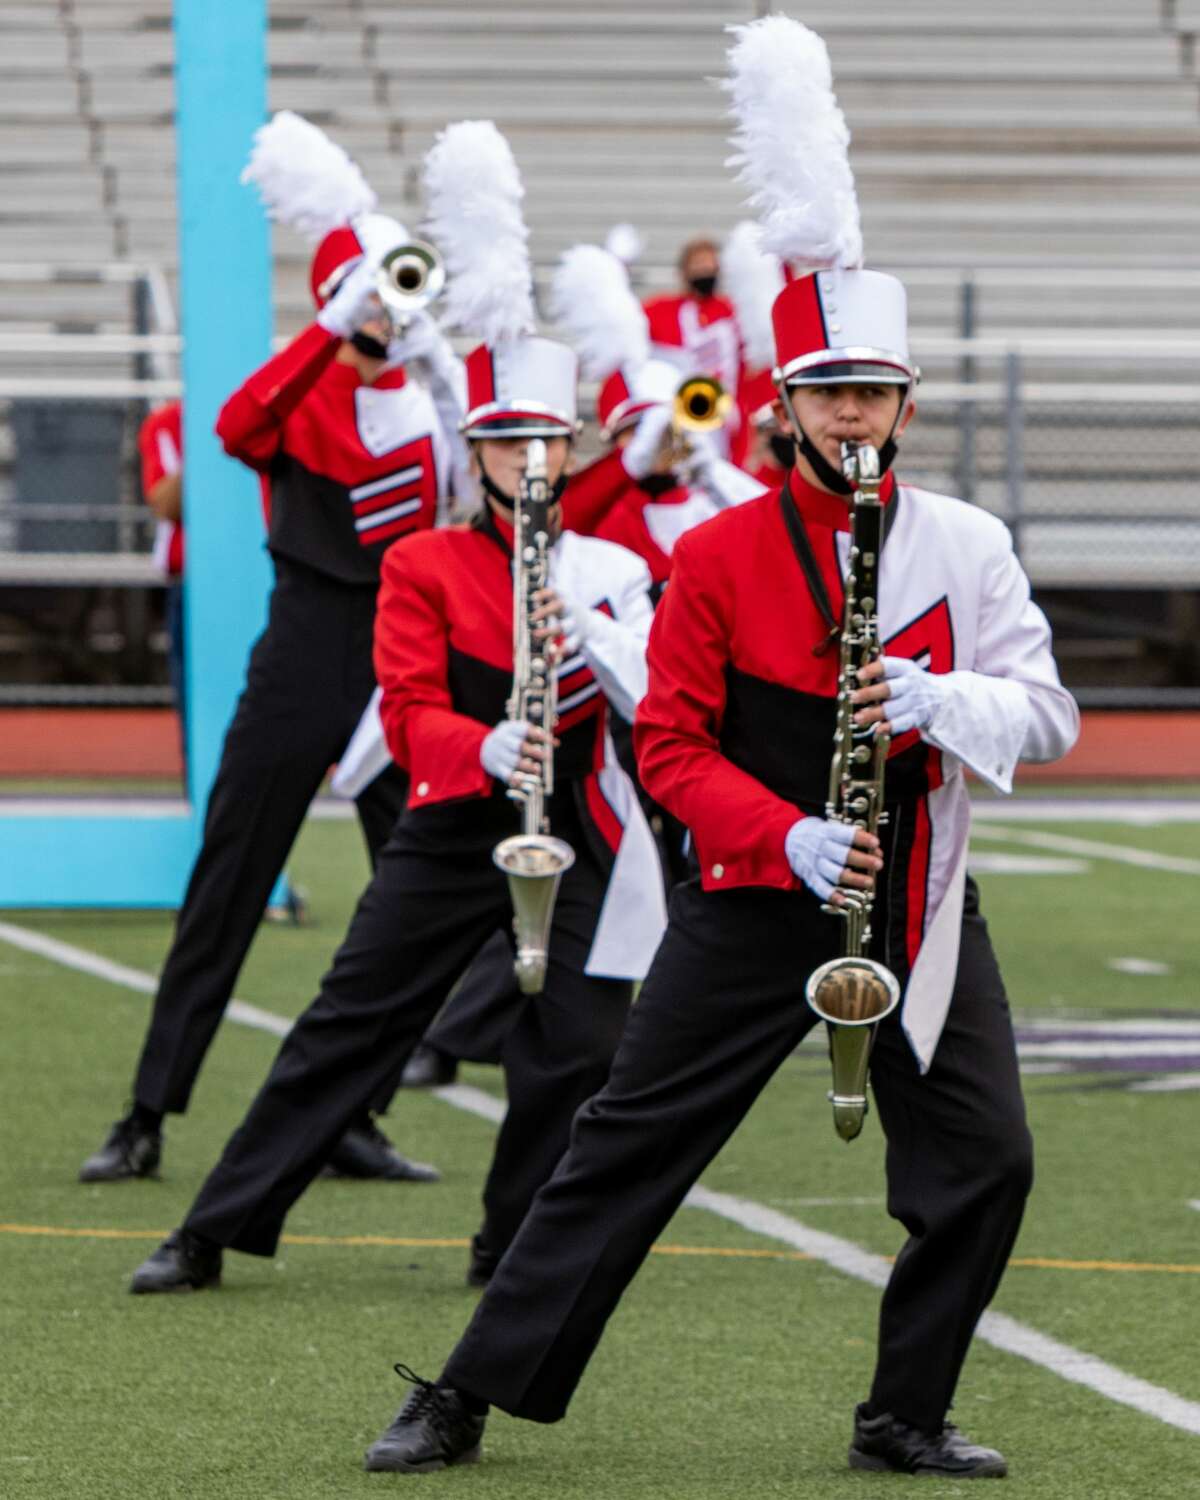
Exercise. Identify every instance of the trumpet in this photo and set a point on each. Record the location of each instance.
(533, 862)
(701, 404)
(853, 993)
(409, 278)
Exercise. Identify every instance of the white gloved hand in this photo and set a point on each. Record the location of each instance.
(642, 450)
(355, 302)
(816, 849)
(500, 753)
(421, 339)
(574, 621)
(914, 697)
(698, 465)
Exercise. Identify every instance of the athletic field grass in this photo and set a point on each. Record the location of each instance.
(733, 1366)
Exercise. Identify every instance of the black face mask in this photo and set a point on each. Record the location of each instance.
(365, 344)
(657, 484)
(783, 450)
(703, 286)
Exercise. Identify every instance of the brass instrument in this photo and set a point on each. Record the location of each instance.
(409, 278)
(533, 861)
(701, 404)
(853, 993)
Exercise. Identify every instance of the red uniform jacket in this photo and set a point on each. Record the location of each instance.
(350, 467)
(444, 660)
(160, 445)
(734, 736)
(601, 500)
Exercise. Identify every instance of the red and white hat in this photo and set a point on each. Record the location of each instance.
(839, 326)
(307, 181)
(630, 391)
(342, 248)
(522, 386)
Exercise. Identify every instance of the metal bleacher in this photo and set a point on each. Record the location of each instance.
(1032, 169)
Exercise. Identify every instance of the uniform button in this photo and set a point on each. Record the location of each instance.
(718, 871)
(423, 789)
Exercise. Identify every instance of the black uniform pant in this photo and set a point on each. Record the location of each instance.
(481, 1010)
(309, 679)
(718, 1013)
(435, 899)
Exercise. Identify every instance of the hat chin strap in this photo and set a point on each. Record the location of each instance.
(829, 477)
(494, 492)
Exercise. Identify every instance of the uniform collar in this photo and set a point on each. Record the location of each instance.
(493, 527)
(823, 509)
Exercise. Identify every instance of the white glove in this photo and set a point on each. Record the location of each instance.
(698, 465)
(421, 339)
(816, 850)
(355, 302)
(501, 751)
(641, 452)
(915, 696)
(574, 621)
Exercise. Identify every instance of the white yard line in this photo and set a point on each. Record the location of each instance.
(1177, 1083)
(1147, 812)
(131, 979)
(1000, 1331)
(1093, 848)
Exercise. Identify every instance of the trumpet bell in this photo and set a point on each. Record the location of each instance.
(410, 277)
(701, 404)
(851, 995)
(533, 864)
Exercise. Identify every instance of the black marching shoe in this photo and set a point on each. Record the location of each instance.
(182, 1263)
(482, 1265)
(432, 1430)
(885, 1444)
(365, 1152)
(132, 1149)
(428, 1068)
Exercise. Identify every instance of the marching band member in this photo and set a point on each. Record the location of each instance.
(160, 447)
(444, 659)
(696, 329)
(656, 482)
(734, 737)
(352, 456)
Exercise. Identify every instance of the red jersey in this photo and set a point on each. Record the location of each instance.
(351, 466)
(160, 444)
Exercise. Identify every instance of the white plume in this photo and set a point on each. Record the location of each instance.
(591, 297)
(625, 242)
(752, 280)
(791, 143)
(305, 180)
(473, 193)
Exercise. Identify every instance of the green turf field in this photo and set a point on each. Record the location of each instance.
(724, 1374)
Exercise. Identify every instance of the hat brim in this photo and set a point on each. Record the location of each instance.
(529, 419)
(848, 367)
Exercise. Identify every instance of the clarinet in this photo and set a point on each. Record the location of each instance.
(533, 861)
(852, 994)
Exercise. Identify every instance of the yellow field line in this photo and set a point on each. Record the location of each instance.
(1035, 1262)
(1045, 1263)
(55, 1232)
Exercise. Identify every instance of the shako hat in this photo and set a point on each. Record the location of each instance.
(308, 182)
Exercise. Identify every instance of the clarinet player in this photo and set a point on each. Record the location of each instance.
(444, 659)
(733, 738)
